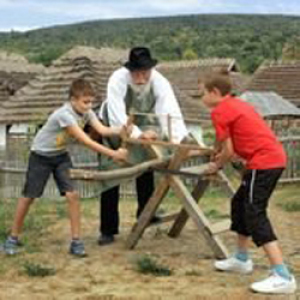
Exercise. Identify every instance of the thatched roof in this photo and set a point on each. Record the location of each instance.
(49, 90)
(271, 105)
(281, 77)
(43, 95)
(15, 63)
(15, 72)
(184, 77)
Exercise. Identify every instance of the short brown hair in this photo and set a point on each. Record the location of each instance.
(81, 87)
(220, 81)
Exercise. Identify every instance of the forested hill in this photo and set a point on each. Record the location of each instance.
(248, 38)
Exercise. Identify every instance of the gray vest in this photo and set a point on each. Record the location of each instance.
(137, 154)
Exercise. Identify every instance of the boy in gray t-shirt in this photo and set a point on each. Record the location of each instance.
(49, 156)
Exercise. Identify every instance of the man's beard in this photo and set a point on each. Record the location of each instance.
(141, 89)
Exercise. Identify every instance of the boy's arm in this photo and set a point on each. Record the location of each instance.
(76, 132)
(224, 154)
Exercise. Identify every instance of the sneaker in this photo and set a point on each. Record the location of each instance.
(77, 248)
(275, 284)
(11, 246)
(233, 264)
(106, 239)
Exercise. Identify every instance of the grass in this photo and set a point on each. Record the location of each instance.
(148, 265)
(61, 210)
(194, 273)
(291, 206)
(287, 198)
(215, 214)
(37, 270)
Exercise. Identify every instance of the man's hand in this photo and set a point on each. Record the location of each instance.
(212, 168)
(120, 155)
(149, 135)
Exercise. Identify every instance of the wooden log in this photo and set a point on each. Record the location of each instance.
(117, 173)
(195, 171)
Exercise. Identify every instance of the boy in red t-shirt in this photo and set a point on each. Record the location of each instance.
(241, 131)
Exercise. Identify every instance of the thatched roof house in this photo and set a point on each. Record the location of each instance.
(15, 72)
(184, 77)
(35, 101)
(48, 91)
(282, 77)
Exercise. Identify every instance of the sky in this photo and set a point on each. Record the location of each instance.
(22, 15)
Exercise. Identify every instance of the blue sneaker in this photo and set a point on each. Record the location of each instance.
(11, 246)
(77, 248)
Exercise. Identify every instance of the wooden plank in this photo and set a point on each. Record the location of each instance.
(146, 215)
(221, 226)
(181, 220)
(154, 202)
(199, 218)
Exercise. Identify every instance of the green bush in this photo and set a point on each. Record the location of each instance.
(37, 270)
(148, 265)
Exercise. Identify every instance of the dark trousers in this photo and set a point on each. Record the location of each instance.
(249, 205)
(109, 203)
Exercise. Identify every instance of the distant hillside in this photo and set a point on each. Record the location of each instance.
(248, 38)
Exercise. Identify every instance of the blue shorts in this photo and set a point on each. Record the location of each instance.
(39, 170)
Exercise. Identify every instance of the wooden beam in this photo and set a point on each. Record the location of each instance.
(198, 217)
(183, 217)
(146, 215)
(154, 202)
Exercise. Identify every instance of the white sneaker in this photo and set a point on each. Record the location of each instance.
(233, 264)
(275, 284)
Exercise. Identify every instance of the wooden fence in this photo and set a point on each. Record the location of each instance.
(292, 147)
(13, 163)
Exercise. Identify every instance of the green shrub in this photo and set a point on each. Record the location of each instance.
(148, 265)
(37, 270)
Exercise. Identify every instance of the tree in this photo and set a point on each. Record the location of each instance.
(189, 54)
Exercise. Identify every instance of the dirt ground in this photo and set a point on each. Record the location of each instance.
(110, 272)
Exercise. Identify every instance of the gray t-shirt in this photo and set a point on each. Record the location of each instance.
(52, 139)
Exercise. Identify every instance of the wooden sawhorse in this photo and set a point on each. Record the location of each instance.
(190, 208)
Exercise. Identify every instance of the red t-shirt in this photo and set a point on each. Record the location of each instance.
(252, 139)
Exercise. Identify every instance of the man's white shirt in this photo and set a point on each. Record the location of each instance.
(165, 103)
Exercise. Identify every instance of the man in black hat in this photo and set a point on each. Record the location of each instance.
(137, 88)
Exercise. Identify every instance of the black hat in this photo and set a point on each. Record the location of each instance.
(140, 59)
